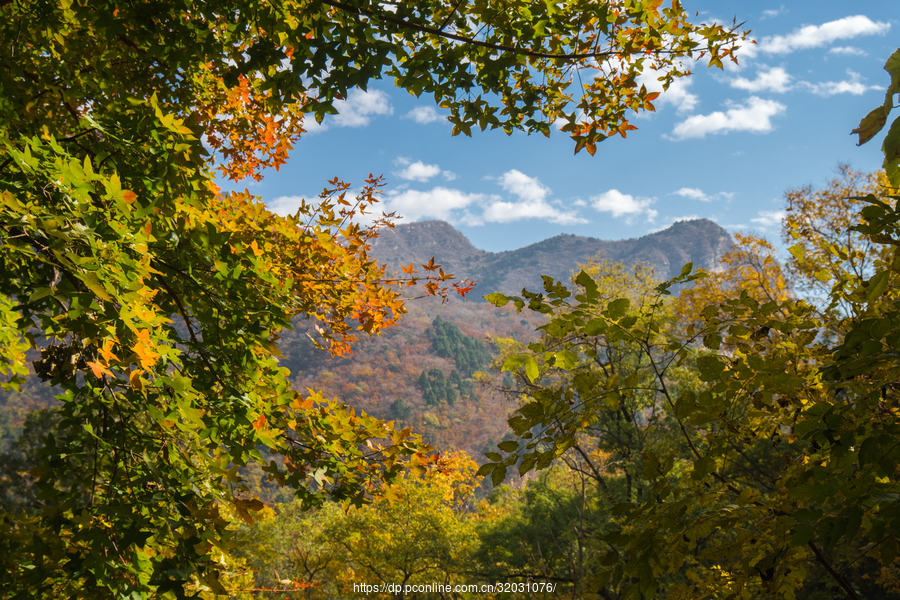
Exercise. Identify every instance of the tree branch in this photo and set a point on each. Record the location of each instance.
(834, 574)
(464, 39)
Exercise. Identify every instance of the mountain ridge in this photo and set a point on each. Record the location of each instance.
(699, 241)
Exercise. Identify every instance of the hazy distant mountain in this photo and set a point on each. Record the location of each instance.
(385, 376)
(700, 241)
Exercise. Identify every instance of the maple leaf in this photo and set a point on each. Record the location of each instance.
(260, 423)
(431, 266)
(144, 348)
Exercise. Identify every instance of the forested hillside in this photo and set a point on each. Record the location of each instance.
(406, 373)
(420, 372)
(241, 393)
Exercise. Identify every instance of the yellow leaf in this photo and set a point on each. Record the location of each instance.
(145, 349)
(134, 378)
(92, 282)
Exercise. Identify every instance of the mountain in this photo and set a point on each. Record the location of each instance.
(699, 241)
(421, 372)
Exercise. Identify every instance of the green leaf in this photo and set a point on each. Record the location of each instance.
(710, 367)
(531, 369)
(853, 520)
(498, 299)
(891, 150)
(892, 66)
(877, 285)
(870, 125)
(595, 327)
(508, 446)
(527, 464)
(823, 275)
(686, 269)
(888, 550)
(830, 530)
(486, 468)
(591, 290)
(617, 308)
(802, 535)
(565, 359)
(40, 293)
(650, 465)
(703, 466)
(498, 475)
(685, 404)
(513, 362)
(93, 283)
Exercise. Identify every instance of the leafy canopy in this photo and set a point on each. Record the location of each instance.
(788, 453)
(155, 300)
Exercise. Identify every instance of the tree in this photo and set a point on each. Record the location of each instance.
(751, 265)
(155, 299)
(546, 531)
(425, 534)
(819, 224)
(769, 380)
(595, 393)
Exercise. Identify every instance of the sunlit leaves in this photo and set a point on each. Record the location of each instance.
(873, 122)
(155, 301)
(829, 258)
(786, 451)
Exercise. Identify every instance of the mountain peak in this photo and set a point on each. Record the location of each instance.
(417, 242)
(699, 241)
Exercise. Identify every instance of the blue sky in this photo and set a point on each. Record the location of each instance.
(723, 145)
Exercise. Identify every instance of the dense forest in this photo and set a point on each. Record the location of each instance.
(202, 398)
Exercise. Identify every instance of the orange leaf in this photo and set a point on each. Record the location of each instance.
(260, 422)
(98, 369)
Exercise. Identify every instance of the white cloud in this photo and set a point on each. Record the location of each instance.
(772, 80)
(768, 14)
(693, 193)
(620, 204)
(767, 218)
(476, 209)
(847, 51)
(505, 212)
(310, 126)
(755, 115)
(532, 202)
(438, 203)
(698, 194)
(287, 205)
(417, 171)
(448, 175)
(816, 36)
(525, 187)
(779, 81)
(356, 111)
(359, 106)
(424, 115)
(850, 86)
(677, 95)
